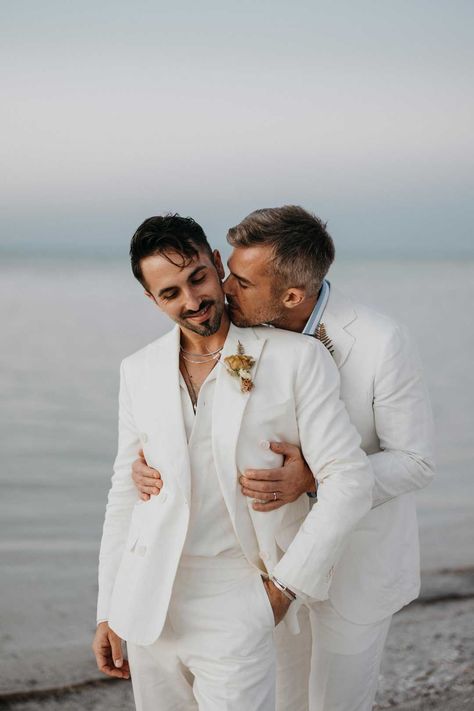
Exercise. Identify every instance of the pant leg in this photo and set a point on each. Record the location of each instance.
(160, 680)
(345, 661)
(225, 622)
(293, 653)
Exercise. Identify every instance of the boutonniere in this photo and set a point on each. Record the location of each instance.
(239, 366)
(322, 336)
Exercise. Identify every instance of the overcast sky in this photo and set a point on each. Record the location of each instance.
(360, 111)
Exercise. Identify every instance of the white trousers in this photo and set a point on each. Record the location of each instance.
(340, 658)
(216, 651)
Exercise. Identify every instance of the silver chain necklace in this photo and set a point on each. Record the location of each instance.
(211, 353)
(202, 358)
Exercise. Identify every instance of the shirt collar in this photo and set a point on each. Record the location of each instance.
(317, 312)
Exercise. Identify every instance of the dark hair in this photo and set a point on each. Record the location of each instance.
(303, 249)
(164, 234)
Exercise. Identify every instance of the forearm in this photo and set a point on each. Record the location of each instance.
(121, 500)
(114, 536)
(403, 422)
(344, 497)
(397, 473)
(331, 447)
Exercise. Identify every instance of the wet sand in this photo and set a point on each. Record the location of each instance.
(428, 664)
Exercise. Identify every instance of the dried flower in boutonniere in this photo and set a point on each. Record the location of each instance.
(321, 335)
(239, 366)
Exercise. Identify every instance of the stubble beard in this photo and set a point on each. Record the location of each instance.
(267, 314)
(206, 328)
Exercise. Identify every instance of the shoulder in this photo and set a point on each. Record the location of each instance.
(378, 340)
(138, 359)
(278, 336)
(295, 352)
(294, 345)
(362, 321)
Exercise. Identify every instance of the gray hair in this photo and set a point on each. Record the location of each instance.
(303, 249)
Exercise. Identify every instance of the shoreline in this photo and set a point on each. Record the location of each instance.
(429, 659)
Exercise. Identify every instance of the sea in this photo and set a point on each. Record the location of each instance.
(66, 323)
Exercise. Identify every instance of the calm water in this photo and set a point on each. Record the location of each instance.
(65, 328)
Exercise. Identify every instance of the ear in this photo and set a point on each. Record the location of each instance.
(293, 297)
(216, 258)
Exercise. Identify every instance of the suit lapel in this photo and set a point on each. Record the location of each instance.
(339, 314)
(228, 410)
(164, 406)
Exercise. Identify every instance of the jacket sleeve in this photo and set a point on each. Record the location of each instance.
(403, 421)
(121, 499)
(331, 446)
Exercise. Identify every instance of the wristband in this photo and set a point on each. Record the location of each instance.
(282, 588)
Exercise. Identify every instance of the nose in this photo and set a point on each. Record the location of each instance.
(227, 285)
(193, 301)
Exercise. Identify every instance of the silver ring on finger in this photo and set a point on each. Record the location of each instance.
(274, 496)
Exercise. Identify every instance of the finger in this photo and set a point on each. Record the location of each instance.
(116, 673)
(150, 490)
(104, 662)
(264, 487)
(149, 473)
(141, 455)
(145, 497)
(252, 494)
(264, 474)
(268, 506)
(116, 649)
(152, 481)
(143, 471)
(286, 449)
(148, 485)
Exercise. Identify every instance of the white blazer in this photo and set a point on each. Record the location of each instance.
(384, 393)
(296, 398)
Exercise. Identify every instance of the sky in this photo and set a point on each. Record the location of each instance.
(360, 111)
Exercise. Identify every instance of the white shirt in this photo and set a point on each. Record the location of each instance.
(210, 531)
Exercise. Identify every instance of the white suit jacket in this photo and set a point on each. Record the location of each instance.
(296, 398)
(383, 390)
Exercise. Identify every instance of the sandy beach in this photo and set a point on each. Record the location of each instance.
(428, 664)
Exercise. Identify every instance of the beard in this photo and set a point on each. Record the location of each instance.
(208, 327)
(261, 314)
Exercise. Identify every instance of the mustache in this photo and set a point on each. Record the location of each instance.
(203, 305)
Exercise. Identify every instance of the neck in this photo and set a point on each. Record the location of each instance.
(205, 344)
(295, 319)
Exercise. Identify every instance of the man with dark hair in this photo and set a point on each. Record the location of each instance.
(181, 236)
(195, 580)
(277, 276)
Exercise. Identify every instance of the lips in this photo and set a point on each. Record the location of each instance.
(201, 315)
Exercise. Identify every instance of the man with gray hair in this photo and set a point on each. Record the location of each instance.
(277, 276)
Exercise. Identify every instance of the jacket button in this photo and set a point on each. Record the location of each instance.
(144, 437)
